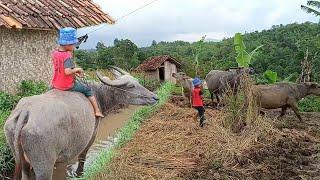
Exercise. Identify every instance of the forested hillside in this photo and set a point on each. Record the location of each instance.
(284, 48)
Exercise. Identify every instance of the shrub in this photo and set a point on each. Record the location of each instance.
(150, 84)
(31, 88)
(7, 102)
(6, 158)
(310, 104)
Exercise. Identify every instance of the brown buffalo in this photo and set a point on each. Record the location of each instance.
(284, 95)
(59, 125)
(186, 83)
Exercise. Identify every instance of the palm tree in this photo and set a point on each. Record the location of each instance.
(312, 8)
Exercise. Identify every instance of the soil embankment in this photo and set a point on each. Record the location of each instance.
(171, 145)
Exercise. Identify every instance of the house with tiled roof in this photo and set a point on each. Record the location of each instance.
(29, 32)
(160, 68)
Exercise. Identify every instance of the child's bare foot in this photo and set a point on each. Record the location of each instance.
(99, 114)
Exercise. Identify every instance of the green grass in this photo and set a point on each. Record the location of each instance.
(126, 133)
(310, 104)
(7, 103)
(6, 158)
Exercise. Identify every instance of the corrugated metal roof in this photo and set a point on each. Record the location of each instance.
(51, 14)
(154, 63)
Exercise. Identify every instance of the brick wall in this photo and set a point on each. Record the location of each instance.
(25, 55)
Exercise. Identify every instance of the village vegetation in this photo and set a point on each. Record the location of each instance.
(275, 54)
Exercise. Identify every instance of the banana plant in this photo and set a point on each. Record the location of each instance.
(270, 76)
(244, 59)
(197, 54)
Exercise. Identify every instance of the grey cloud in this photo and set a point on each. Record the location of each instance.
(171, 18)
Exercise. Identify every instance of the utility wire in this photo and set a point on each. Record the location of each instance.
(126, 15)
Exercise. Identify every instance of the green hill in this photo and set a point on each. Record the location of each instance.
(284, 48)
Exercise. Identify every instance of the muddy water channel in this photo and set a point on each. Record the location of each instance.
(104, 140)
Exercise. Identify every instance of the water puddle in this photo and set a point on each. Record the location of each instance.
(104, 140)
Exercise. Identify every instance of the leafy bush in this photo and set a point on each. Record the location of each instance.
(152, 85)
(270, 76)
(7, 102)
(310, 104)
(31, 88)
(6, 158)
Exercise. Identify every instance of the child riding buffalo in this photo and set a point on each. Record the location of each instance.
(197, 100)
(65, 70)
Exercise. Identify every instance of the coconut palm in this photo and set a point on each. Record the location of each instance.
(312, 8)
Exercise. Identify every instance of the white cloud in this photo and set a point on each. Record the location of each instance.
(190, 19)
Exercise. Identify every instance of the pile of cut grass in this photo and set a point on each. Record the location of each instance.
(173, 146)
(126, 133)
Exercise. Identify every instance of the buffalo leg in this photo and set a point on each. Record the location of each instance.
(283, 111)
(218, 98)
(44, 170)
(82, 156)
(296, 111)
(211, 95)
(82, 160)
(27, 172)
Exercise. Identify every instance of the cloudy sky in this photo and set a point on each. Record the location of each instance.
(189, 20)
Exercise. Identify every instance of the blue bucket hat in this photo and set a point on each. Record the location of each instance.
(68, 36)
(196, 82)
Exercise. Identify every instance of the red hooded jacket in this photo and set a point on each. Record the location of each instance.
(196, 97)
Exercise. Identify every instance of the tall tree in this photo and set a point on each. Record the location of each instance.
(312, 8)
(125, 53)
(154, 43)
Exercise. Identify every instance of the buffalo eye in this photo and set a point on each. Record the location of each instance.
(131, 86)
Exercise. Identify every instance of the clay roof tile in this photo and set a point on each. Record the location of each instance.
(156, 62)
(51, 14)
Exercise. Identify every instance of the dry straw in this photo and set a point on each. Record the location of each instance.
(172, 146)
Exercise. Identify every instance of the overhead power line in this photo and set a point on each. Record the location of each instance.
(126, 15)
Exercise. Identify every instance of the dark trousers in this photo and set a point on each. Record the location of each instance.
(201, 111)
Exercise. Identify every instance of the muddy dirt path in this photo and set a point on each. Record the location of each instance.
(105, 138)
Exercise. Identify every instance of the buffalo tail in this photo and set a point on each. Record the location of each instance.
(22, 120)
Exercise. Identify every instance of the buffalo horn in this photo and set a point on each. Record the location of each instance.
(113, 83)
(123, 72)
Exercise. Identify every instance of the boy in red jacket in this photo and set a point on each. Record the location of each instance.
(197, 100)
(65, 70)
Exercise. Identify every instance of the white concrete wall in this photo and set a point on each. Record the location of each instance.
(169, 69)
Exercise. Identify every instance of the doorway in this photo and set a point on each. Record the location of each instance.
(162, 74)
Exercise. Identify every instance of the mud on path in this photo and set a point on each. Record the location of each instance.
(171, 145)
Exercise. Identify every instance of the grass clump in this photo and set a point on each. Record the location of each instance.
(126, 133)
(310, 104)
(31, 88)
(6, 158)
(240, 108)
